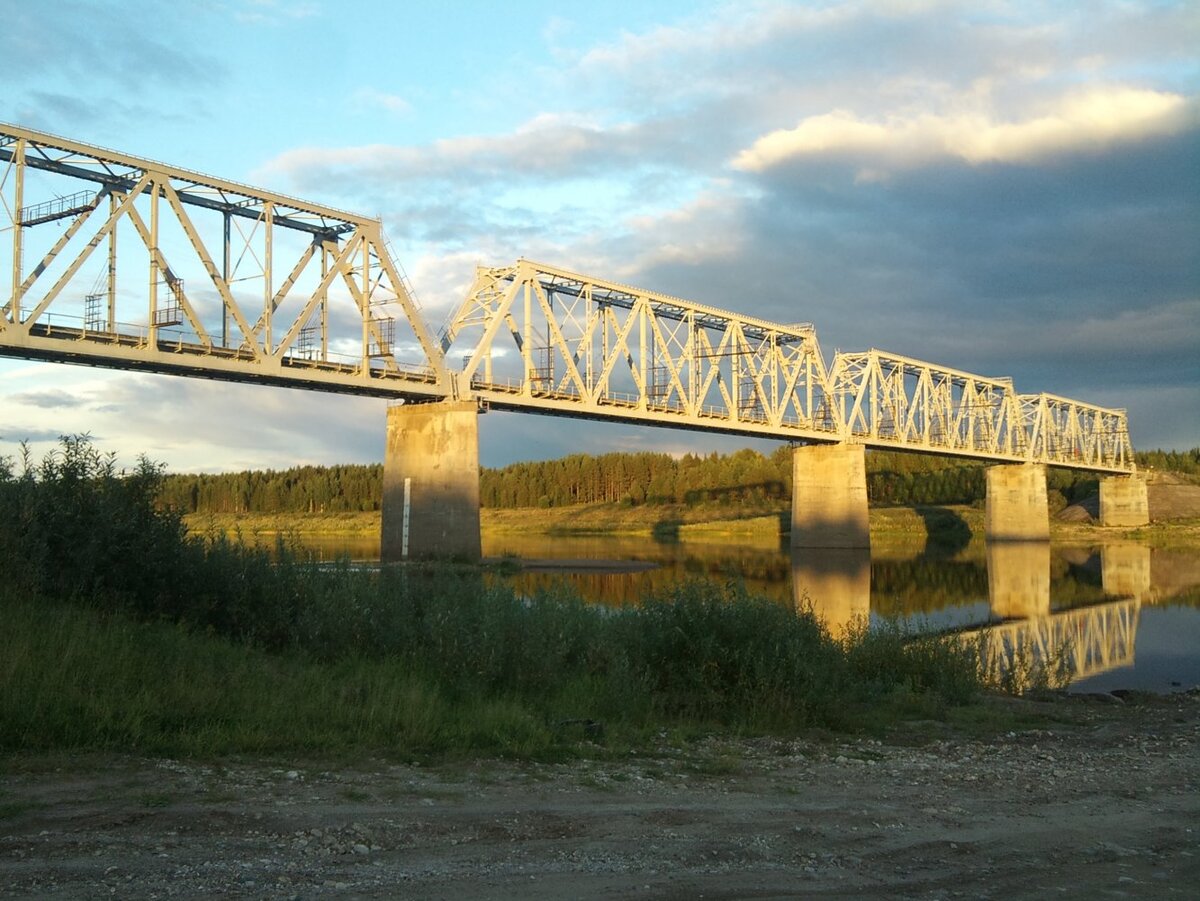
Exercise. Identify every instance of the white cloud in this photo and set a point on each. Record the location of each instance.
(546, 146)
(1082, 121)
(370, 100)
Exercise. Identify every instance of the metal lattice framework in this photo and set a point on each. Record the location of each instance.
(211, 278)
(539, 337)
(217, 279)
(891, 401)
(557, 341)
(1064, 647)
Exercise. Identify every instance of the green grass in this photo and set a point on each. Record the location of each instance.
(498, 676)
(121, 633)
(77, 679)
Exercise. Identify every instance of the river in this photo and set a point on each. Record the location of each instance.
(1120, 615)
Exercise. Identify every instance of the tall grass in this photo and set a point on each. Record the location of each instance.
(130, 635)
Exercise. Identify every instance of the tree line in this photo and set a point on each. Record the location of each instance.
(744, 477)
(301, 489)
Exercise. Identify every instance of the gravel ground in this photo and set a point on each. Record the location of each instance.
(1102, 805)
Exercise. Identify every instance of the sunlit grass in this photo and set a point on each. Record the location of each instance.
(123, 633)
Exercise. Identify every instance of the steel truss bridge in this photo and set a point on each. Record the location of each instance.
(112, 260)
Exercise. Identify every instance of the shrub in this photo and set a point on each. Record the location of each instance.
(701, 655)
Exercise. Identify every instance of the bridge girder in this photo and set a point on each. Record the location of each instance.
(325, 295)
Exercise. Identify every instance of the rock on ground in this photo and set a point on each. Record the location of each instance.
(1102, 804)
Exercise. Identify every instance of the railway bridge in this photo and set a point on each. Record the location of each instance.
(112, 260)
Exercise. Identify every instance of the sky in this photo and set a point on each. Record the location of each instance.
(1007, 188)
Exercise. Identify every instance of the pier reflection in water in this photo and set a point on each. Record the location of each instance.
(1086, 607)
(835, 584)
(1022, 641)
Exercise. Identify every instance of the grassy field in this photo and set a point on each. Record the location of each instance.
(584, 519)
(232, 524)
(123, 633)
(432, 661)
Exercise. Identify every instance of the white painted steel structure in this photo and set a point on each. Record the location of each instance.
(118, 261)
(538, 337)
(124, 262)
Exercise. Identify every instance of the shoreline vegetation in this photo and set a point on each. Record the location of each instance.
(122, 633)
(743, 495)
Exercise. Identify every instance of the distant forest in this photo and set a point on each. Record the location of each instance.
(745, 478)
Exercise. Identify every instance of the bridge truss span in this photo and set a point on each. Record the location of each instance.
(553, 340)
(1067, 432)
(114, 260)
(537, 337)
(885, 400)
(120, 261)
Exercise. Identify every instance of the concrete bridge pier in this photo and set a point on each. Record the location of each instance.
(1017, 509)
(829, 496)
(1124, 501)
(431, 482)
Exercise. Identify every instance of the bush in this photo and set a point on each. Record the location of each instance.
(78, 529)
(702, 655)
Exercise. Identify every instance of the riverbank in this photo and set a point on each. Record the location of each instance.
(946, 526)
(249, 525)
(1061, 796)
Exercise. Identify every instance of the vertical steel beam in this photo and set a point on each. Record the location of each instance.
(364, 304)
(643, 334)
(225, 260)
(268, 281)
(18, 202)
(325, 255)
(112, 265)
(153, 329)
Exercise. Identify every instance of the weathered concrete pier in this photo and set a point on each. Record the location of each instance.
(431, 482)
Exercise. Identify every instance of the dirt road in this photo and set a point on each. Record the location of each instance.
(1102, 805)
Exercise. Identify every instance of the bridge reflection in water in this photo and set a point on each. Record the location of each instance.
(1023, 641)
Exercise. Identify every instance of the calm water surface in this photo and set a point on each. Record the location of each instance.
(1126, 615)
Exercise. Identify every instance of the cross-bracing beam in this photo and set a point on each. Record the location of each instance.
(211, 278)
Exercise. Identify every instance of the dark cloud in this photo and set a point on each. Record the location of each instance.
(14, 435)
(1077, 276)
(89, 43)
(48, 400)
